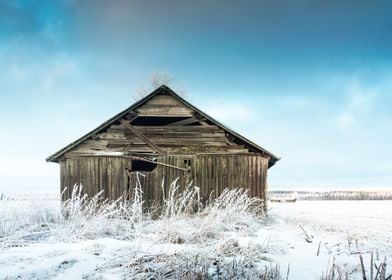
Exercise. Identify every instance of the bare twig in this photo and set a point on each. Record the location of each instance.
(307, 237)
(318, 249)
(371, 266)
(363, 268)
(288, 272)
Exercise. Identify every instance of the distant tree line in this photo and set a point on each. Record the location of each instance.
(334, 195)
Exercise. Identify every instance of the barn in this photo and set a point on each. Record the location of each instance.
(164, 137)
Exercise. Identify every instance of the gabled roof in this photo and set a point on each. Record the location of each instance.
(163, 90)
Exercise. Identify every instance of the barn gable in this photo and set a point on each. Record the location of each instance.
(162, 123)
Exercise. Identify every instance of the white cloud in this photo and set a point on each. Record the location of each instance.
(230, 113)
(58, 68)
(360, 102)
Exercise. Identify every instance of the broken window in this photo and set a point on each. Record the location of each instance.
(187, 162)
(142, 166)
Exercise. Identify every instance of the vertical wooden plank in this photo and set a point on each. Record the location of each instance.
(200, 174)
(116, 173)
(120, 178)
(212, 175)
(218, 174)
(69, 178)
(109, 179)
(248, 173)
(62, 177)
(224, 173)
(241, 176)
(97, 186)
(79, 173)
(170, 175)
(86, 176)
(227, 172)
(76, 172)
(195, 171)
(66, 179)
(209, 176)
(156, 186)
(250, 176)
(113, 175)
(239, 171)
(71, 175)
(258, 177)
(254, 176)
(102, 177)
(123, 185)
(117, 177)
(265, 182)
(103, 174)
(242, 162)
(163, 180)
(89, 183)
(232, 173)
(91, 187)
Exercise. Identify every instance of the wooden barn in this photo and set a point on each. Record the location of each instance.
(164, 137)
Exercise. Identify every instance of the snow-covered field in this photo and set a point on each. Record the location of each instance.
(344, 230)
(225, 239)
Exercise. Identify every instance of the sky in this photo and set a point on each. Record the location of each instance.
(310, 81)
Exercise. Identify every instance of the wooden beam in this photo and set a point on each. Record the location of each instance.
(158, 163)
(200, 118)
(142, 137)
(131, 116)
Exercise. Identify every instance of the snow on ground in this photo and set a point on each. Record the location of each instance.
(344, 229)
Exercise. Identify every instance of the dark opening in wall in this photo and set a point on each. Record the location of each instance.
(143, 166)
(156, 121)
(159, 121)
(187, 162)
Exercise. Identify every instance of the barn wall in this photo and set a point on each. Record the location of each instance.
(95, 174)
(212, 173)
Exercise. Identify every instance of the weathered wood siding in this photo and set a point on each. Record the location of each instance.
(211, 172)
(95, 174)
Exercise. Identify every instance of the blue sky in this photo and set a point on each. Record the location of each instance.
(309, 80)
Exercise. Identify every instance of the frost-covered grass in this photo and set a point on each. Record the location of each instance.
(225, 239)
(181, 239)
